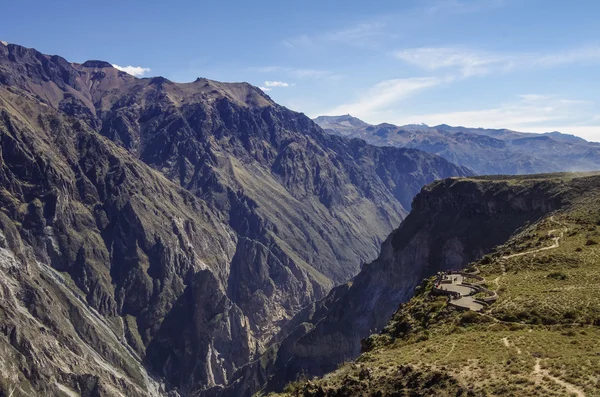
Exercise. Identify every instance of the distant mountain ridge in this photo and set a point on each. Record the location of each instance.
(485, 151)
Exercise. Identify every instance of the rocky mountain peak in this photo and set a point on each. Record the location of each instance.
(242, 94)
(96, 64)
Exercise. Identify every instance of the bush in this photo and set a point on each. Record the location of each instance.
(470, 317)
(591, 242)
(570, 315)
(557, 276)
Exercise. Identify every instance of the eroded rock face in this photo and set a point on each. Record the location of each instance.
(452, 223)
(176, 225)
(214, 336)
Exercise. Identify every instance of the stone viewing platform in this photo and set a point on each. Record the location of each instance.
(461, 293)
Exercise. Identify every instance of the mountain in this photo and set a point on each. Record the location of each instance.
(157, 236)
(536, 336)
(453, 222)
(485, 151)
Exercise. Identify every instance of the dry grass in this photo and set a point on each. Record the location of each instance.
(548, 313)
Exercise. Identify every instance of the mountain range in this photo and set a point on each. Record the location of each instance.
(198, 239)
(485, 151)
(157, 236)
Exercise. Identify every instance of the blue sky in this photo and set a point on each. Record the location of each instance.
(528, 65)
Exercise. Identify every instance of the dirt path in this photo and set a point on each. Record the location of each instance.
(451, 350)
(466, 292)
(555, 244)
(540, 374)
(555, 241)
(509, 344)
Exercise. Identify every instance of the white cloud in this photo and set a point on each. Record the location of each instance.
(583, 54)
(136, 71)
(300, 73)
(302, 41)
(276, 84)
(528, 113)
(469, 62)
(385, 94)
(265, 89)
(376, 33)
(364, 35)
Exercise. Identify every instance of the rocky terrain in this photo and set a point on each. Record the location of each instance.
(453, 222)
(486, 151)
(157, 236)
(538, 338)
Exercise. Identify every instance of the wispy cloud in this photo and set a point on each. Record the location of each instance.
(137, 71)
(451, 64)
(298, 72)
(360, 35)
(529, 113)
(265, 89)
(365, 35)
(377, 32)
(462, 6)
(385, 94)
(578, 55)
(276, 84)
(469, 62)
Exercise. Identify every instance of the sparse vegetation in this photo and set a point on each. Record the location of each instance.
(539, 338)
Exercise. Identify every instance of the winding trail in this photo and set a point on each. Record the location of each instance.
(510, 344)
(467, 301)
(455, 282)
(451, 349)
(555, 241)
(540, 374)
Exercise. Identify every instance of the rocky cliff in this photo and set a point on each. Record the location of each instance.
(535, 336)
(453, 222)
(156, 236)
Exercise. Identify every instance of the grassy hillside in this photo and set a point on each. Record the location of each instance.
(540, 338)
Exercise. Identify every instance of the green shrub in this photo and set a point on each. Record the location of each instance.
(557, 276)
(470, 317)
